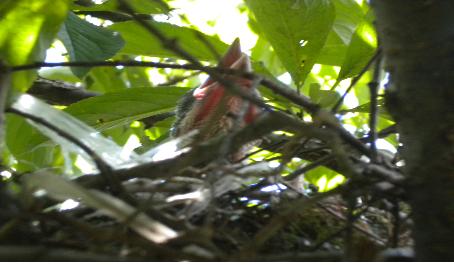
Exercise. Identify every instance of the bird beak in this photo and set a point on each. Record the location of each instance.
(233, 59)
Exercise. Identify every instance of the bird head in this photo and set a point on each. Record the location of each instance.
(211, 107)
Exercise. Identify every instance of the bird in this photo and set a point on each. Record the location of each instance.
(212, 109)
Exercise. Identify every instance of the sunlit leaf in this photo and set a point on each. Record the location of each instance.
(120, 108)
(27, 28)
(348, 16)
(297, 30)
(360, 50)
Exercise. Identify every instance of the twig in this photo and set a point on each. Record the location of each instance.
(109, 15)
(128, 63)
(320, 162)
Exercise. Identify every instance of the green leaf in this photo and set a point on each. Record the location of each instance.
(27, 145)
(325, 98)
(27, 28)
(263, 52)
(324, 178)
(105, 79)
(360, 50)
(139, 6)
(119, 108)
(348, 16)
(137, 76)
(141, 42)
(105, 148)
(297, 30)
(87, 42)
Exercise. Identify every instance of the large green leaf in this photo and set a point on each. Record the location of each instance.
(141, 42)
(119, 108)
(63, 122)
(348, 16)
(105, 80)
(360, 50)
(87, 42)
(297, 30)
(27, 28)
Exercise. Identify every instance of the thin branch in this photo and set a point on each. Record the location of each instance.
(320, 162)
(109, 15)
(128, 63)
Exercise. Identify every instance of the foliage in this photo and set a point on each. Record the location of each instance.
(323, 46)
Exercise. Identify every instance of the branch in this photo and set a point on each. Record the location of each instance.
(59, 93)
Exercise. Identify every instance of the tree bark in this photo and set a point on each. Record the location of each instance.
(417, 37)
